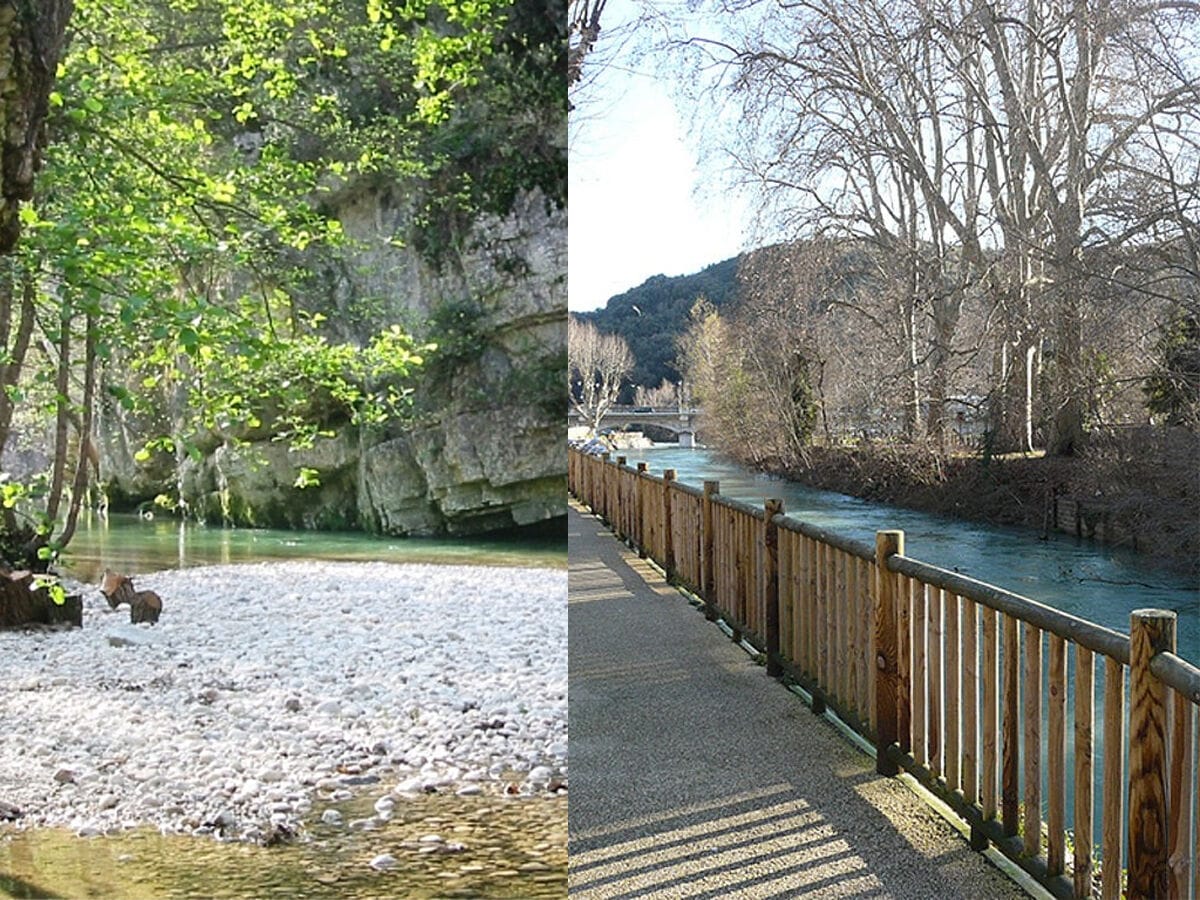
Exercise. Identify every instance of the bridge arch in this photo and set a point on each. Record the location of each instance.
(680, 421)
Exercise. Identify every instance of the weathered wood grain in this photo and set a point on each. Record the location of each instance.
(887, 543)
(1085, 710)
(1150, 631)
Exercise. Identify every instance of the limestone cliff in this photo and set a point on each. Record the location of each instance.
(485, 451)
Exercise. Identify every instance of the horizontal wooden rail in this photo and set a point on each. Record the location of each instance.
(690, 489)
(1088, 634)
(951, 678)
(860, 549)
(738, 506)
(1177, 674)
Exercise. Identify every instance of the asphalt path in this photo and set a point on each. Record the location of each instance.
(693, 774)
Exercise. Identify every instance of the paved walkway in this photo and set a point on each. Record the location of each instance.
(693, 774)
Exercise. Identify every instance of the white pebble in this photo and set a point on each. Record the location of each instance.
(206, 740)
(331, 817)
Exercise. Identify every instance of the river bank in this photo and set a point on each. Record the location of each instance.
(1084, 578)
(269, 692)
(1137, 489)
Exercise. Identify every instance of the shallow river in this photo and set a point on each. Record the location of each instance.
(1087, 579)
(514, 847)
(127, 543)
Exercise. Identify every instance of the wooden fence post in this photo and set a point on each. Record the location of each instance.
(772, 508)
(887, 543)
(619, 507)
(668, 541)
(601, 489)
(707, 571)
(639, 511)
(1150, 631)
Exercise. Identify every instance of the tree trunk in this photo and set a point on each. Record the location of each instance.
(946, 313)
(1066, 433)
(912, 402)
(22, 602)
(86, 456)
(62, 384)
(31, 37)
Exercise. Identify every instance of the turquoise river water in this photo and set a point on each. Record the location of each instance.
(127, 543)
(1087, 579)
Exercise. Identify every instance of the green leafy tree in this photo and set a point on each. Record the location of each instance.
(168, 256)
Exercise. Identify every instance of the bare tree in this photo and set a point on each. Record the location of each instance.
(664, 396)
(583, 31)
(857, 132)
(989, 150)
(752, 381)
(710, 360)
(597, 364)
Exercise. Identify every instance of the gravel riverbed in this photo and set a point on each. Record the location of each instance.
(267, 693)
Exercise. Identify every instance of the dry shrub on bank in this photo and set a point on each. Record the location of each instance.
(1146, 481)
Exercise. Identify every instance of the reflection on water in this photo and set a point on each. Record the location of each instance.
(127, 543)
(510, 848)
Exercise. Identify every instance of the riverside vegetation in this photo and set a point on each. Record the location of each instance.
(981, 243)
(287, 263)
(840, 429)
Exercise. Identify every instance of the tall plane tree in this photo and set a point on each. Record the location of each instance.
(994, 149)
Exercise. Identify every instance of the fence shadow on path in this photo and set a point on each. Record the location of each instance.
(693, 775)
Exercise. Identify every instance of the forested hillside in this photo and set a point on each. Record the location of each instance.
(653, 316)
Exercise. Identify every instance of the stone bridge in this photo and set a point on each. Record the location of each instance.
(676, 419)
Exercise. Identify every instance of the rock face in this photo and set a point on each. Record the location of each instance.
(255, 484)
(472, 472)
(485, 451)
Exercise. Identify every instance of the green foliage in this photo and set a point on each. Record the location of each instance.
(52, 586)
(294, 389)
(801, 414)
(307, 478)
(458, 334)
(539, 386)
(508, 135)
(654, 316)
(1173, 392)
(192, 147)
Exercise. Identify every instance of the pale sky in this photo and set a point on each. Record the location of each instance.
(633, 178)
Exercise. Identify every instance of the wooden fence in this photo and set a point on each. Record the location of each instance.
(982, 695)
